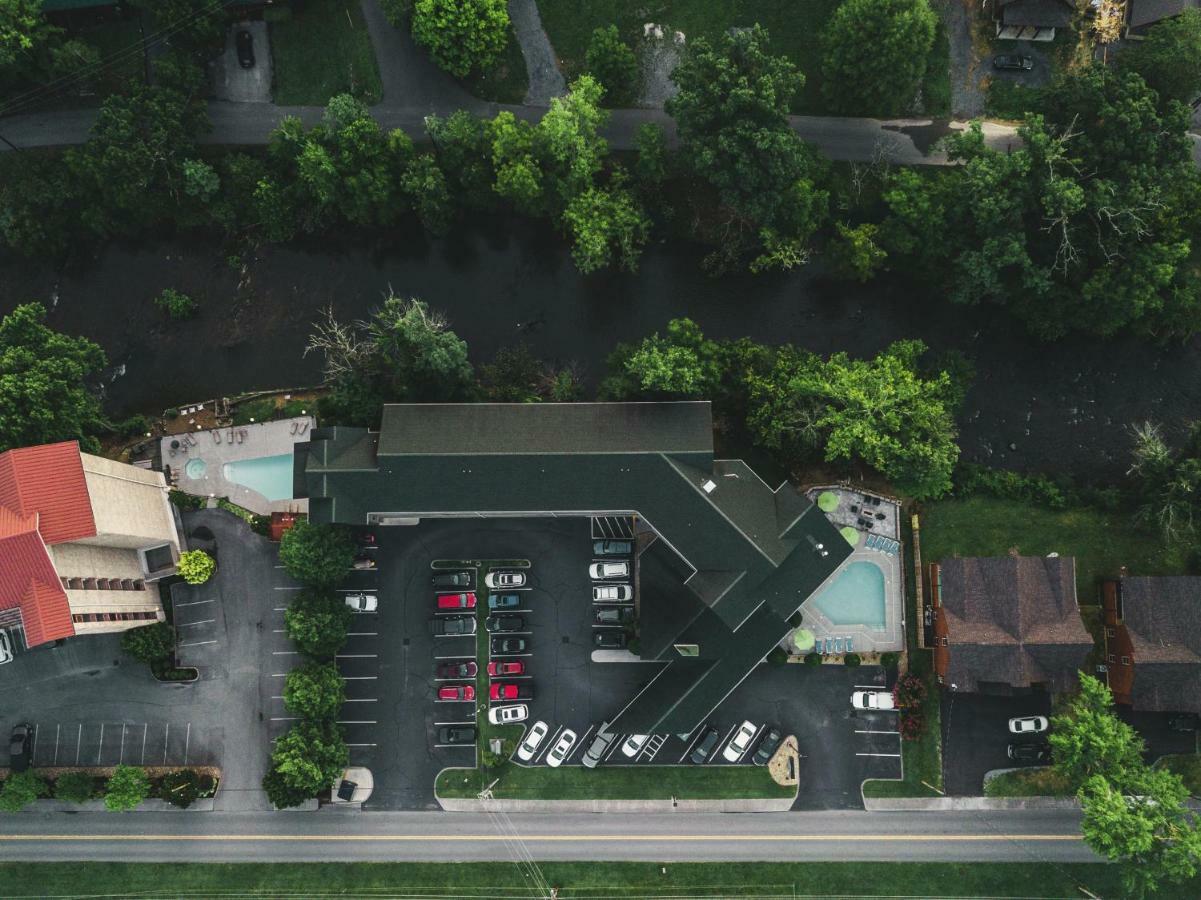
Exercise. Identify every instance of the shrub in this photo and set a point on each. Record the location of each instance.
(971, 478)
(186, 501)
(794, 621)
(150, 643)
(316, 621)
(128, 786)
(852, 660)
(75, 787)
(634, 645)
(913, 723)
(20, 789)
(397, 11)
(316, 555)
(890, 660)
(196, 566)
(777, 657)
(314, 691)
(491, 760)
(134, 425)
(176, 304)
(910, 691)
(614, 65)
(282, 794)
(462, 35)
(813, 659)
(181, 788)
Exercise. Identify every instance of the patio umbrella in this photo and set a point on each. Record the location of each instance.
(850, 534)
(803, 640)
(827, 501)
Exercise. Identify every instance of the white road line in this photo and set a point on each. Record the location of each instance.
(455, 723)
(195, 602)
(356, 590)
(190, 624)
(725, 740)
(354, 677)
(284, 718)
(282, 675)
(894, 755)
(279, 631)
(613, 747)
(361, 700)
(287, 588)
(166, 733)
(197, 643)
(279, 609)
(871, 687)
(121, 758)
(362, 634)
(581, 742)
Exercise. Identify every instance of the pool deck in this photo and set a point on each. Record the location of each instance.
(219, 446)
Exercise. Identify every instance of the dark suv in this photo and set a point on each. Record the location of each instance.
(768, 744)
(1040, 752)
(19, 747)
(704, 747)
(456, 734)
(452, 579)
(504, 623)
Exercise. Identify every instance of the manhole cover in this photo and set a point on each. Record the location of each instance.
(566, 640)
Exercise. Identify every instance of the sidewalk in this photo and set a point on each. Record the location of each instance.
(783, 804)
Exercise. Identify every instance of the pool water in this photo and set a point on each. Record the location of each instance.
(270, 476)
(856, 597)
(195, 468)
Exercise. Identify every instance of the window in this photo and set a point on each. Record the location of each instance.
(1111, 632)
(1113, 658)
(1125, 660)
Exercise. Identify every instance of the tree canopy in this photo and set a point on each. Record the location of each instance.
(315, 691)
(462, 35)
(1169, 482)
(316, 621)
(316, 555)
(22, 29)
(127, 787)
(1169, 57)
(149, 643)
(306, 761)
(1088, 739)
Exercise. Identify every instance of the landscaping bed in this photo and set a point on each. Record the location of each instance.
(1040, 782)
(322, 50)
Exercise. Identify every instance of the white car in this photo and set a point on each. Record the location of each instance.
(362, 603)
(505, 715)
(872, 700)
(1028, 725)
(740, 742)
(505, 579)
(603, 571)
(633, 744)
(562, 748)
(612, 593)
(533, 740)
(6, 648)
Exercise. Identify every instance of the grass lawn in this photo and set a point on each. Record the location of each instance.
(1028, 783)
(323, 50)
(921, 759)
(1188, 767)
(1101, 541)
(505, 82)
(580, 879)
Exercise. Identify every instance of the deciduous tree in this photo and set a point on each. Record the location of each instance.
(149, 643)
(127, 787)
(22, 29)
(196, 566)
(316, 555)
(605, 222)
(1089, 739)
(316, 622)
(20, 789)
(315, 691)
(462, 35)
(611, 61)
(1169, 58)
(306, 761)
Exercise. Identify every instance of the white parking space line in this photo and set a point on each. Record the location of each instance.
(355, 677)
(870, 687)
(613, 747)
(166, 734)
(57, 729)
(101, 745)
(284, 718)
(455, 656)
(281, 652)
(469, 722)
(145, 731)
(197, 643)
(362, 745)
(279, 631)
(361, 700)
(357, 722)
(287, 588)
(893, 755)
(33, 751)
(187, 743)
(355, 590)
(279, 609)
(897, 733)
(581, 742)
(725, 740)
(195, 602)
(362, 634)
(190, 624)
(78, 741)
(356, 656)
(121, 758)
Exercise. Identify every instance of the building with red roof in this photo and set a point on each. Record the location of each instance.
(83, 541)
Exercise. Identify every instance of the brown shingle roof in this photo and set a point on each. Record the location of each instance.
(1012, 620)
(1163, 618)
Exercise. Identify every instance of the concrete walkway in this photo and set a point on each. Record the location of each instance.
(637, 807)
(546, 81)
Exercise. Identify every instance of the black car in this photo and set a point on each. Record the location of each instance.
(20, 746)
(1183, 722)
(614, 615)
(452, 579)
(445, 626)
(457, 669)
(504, 623)
(456, 734)
(768, 744)
(609, 640)
(1013, 62)
(1030, 752)
(704, 747)
(508, 645)
(245, 44)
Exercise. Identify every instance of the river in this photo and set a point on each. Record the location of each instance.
(1062, 406)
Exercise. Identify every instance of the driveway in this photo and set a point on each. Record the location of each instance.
(975, 736)
(231, 81)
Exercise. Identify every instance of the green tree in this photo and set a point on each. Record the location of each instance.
(875, 55)
(1169, 482)
(316, 621)
(463, 146)
(568, 143)
(307, 760)
(316, 555)
(127, 787)
(604, 222)
(23, 29)
(44, 383)
(38, 204)
(429, 193)
(315, 691)
(196, 566)
(515, 375)
(397, 11)
(181, 788)
(650, 170)
(194, 24)
(149, 643)
(417, 352)
(176, 304)
(462, 35)
(75, 787)
(611, 61)
(1169, 59)
(20, 789)
(518, 174)
(73, 57)
(1089, 739)
(682, 363)
(854, 253)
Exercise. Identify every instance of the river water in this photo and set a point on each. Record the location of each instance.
(1063, 406)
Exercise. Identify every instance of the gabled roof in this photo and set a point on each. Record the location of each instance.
(1148, 12)
(48, 481)
(28, 581)
(1012, 620)
(1162, 615)
(1037, 13)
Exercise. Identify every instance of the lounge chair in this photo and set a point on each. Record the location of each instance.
(304, 426)
(216, 436)
(838, 646)
(850, 646)
(292, 428)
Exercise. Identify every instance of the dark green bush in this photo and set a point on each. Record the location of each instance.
(889, 660)
(795, 619)
(186, 501)
(971, 478)
(852, 660)
(150, 643)
(76, 787)
(180, 788)
(777, 657)
(611, 61)
(813, 659)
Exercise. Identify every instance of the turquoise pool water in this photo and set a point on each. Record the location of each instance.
(195, 468)
(856, 597)
(271, 476)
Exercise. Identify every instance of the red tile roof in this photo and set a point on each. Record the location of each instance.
(48, 481)
(29, 582)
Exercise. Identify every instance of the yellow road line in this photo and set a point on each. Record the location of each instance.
(548, 838)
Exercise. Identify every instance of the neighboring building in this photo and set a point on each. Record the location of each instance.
(1007, 624)
(1146, 13)
(729, 559)
(82, 540)
(1153, 642)
(1031, 20)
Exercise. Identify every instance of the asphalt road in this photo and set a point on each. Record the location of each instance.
(1028, 836)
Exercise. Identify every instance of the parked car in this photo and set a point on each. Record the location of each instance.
(500, 690)
(456, 601)
(244, 41)
(562, 748)
(506, 715)
(500, 668)
(533, 740)
(1014, 62)
(20, 746)
(872, 700)
(613, 615)
(703, 747)
(503, 601)
(362, 603)
(633, 744)
(1183, 722)
(612, 548)
(1040, 752)
(1028, 725)
(768, 745)
(603, 571)
(508, 645)
(451, 579)
(447, 626)
(456, 692)
(609, 640)
(504, 623)
(457, 669)
(6, 648)
(456, 734)
(598, 748)
(505, 579)
(363, 561)
(612, 593)
(740, 742)
(367, 539)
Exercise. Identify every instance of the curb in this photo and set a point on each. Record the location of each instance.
(949, 804)
(783, 804)
(204, 804)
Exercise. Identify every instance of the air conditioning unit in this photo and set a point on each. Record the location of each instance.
(1101, 667)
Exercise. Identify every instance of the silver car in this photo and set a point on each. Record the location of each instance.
(362, 603)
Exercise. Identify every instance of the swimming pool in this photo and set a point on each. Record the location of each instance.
(195, 468)
(270, 476)
(856, 597)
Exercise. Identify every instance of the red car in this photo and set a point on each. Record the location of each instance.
(500, 669)
(497, 691)
(456, 692)
(456, 601)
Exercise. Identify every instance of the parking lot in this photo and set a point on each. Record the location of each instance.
(975, 734)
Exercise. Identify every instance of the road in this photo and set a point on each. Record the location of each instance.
(333, 835)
